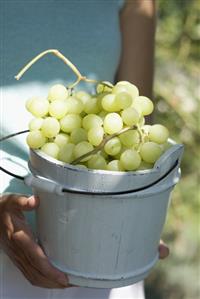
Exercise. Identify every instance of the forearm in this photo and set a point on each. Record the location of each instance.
(138, 31)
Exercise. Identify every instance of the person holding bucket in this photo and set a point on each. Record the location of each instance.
(111, 55)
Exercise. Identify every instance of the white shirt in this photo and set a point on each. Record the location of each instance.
(27, 28)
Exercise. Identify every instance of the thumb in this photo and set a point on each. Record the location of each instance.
(22, 202)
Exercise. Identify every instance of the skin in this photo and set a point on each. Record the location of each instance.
(18, 242)
(136, 65)
(138, 24)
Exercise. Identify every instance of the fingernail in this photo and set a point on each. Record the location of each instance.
(31, 200)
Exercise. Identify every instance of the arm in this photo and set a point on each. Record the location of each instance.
(137, 22)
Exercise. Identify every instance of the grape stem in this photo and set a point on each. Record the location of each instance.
(104, 141)
(64, 59)
(140, 134)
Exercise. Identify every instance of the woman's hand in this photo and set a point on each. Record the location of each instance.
(17, 241)
(163, 250)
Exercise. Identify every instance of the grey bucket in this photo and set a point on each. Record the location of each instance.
(102, 228)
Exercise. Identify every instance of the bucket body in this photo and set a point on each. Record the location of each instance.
(103, 241)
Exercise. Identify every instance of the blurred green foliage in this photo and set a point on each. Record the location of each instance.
(177, 97)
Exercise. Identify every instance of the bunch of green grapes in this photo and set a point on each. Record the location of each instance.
(105, 130)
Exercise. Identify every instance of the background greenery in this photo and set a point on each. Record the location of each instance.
(177, 94)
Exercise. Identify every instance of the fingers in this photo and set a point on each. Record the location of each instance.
(163, 250)
(21, 202)
(36, 263)
(11, 217)
(18, 242)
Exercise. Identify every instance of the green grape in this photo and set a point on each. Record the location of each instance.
(100, 96)
(83, 96)
(28, 103)
(123, 100)
(144, 165)
(81, 166)
(51, 149)
(39, 107)
(35, 124)
(144, 104)
(104, 86)
(66, 153)
(150, 152)
(99, 99)
(124, 86)
(112, 123)
(91, 120)
(95, 135)
(165, 146)
(130, 159)
(61, 139)
(97, 162)
(123, 148)
(74, 106)
(146, 129)
(102, 114)
(91, 106)
(50, 127)
(109, 103)
(78, 135)
(58, 109)
(130, 138)
(137, 107)
(58, 92)
(83, 148)
(35, 139)
(158, 134)
(70, 122)
(103, 154)
(114, 165)
(130, 116)
(113, 146)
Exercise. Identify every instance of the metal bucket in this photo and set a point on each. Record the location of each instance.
(102, 228)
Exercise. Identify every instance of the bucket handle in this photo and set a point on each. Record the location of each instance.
(49, 186)
(2, 168)
(172, 155)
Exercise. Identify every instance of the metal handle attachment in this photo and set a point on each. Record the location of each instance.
(43, 184)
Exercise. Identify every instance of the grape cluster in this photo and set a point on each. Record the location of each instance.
(105, 130)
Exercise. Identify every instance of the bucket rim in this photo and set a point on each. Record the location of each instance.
(110, 277)
(75, 168)
(159, 186)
